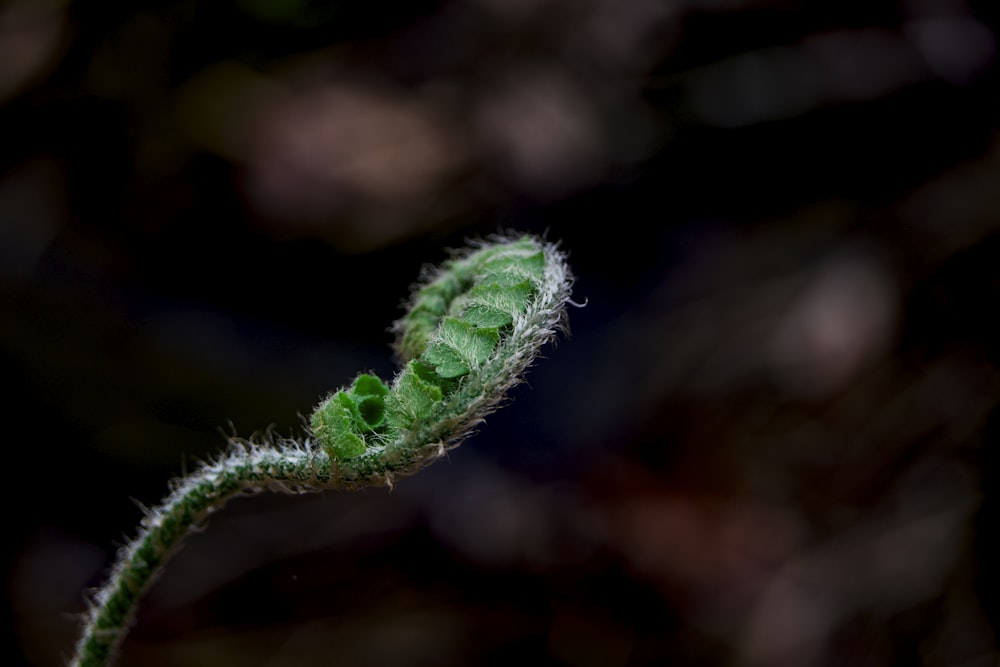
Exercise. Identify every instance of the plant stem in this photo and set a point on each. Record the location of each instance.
(246, 469)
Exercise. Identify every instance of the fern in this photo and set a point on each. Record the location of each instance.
(473, 327)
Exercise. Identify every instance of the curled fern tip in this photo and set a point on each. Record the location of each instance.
(473, 326)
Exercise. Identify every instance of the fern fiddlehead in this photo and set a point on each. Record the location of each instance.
(473, 326)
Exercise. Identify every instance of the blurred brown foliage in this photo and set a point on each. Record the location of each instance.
(769, 441)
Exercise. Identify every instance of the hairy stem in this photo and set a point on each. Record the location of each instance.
(246, 469)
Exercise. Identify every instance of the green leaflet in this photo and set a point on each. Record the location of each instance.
(460, 347)
(415, 395)
(344, 421)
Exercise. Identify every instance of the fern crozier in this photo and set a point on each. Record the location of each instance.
(472, 328)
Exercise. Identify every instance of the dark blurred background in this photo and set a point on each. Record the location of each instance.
(770, 440)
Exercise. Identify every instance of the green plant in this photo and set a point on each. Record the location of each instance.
(473, 327)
